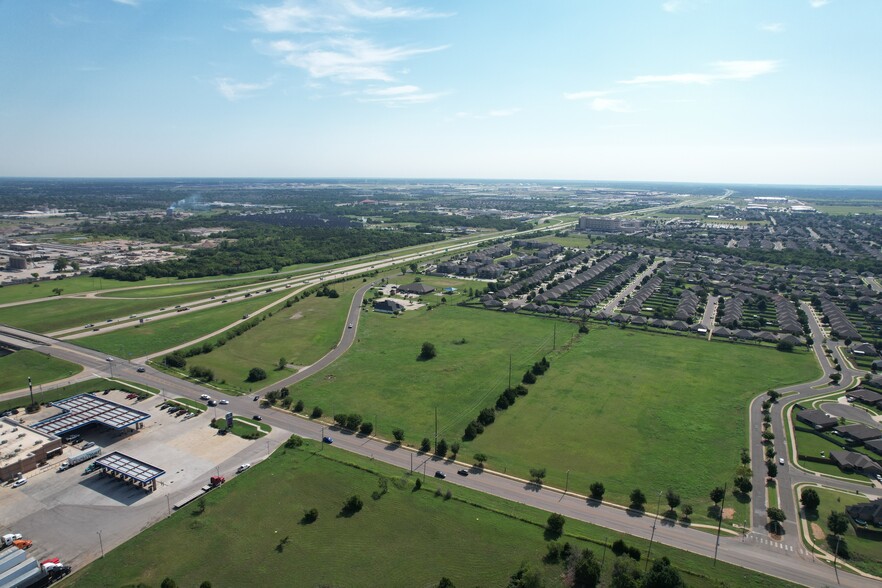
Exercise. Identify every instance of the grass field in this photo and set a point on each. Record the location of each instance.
(66, 313)
(866, 547)
(212, 287)
(251, 534)
(21, 292)
(380, 377)
(94, 385)
(15, 369)
(154, 336)
(812, 445)
(635, 409)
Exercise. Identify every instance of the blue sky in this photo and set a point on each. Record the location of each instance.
(751, 91)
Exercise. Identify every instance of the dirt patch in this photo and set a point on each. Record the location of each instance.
(297, 315)
(817, 532)
(728, 513)
(774, 537)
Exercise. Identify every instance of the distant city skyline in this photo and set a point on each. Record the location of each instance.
(702, 91)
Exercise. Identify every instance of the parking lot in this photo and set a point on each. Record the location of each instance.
(63, 512)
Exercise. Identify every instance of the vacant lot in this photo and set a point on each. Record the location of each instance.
(634, 409)
(382, 377)
(251, 534)
(17, 367)
(158, 335)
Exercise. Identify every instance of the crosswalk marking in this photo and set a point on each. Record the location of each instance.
(770, 543)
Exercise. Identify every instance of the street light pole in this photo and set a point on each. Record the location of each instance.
(652, 536)
(31, 388)
(101, 542)
(567, 486)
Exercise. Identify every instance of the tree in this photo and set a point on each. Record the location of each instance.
(353, 504)
(773, 395)
(426, 445)
(175, 360)
(480, 458)
(366, 428)
(353, 421)
(525, 578)
(529, 378)
(205, 584)
(445, 583)
(57, 291)
(317, 412)
(256, 374)
(428, 351)
(837, 522)
(785, 346)
(625, 574)
(471, 431)
(687, 511)
(810, 499)
(168, 583)
(310, 516)
(717, 494)
(398, 434)
(60, 264)
(293, 442)
(672, 498)
(299, 406)
(638, 498)
(586, 570)
(441, 448)
(555, 524)
(75, 266)
(771, 469)
(743, 484)
(768, 435)
(777, 516)
(537, 475)
(282, 363)
(662, 575)
(597, 490)
(454, 449)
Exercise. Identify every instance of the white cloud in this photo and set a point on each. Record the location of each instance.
(672, 5)
(345, 59)
(818, 3)
(586, 95)
(128, 2)
(503, 112)
(234, 91)
(494, 113)
(720, 71)
(399, 95)
(328, 16)
(609, 105)
(392, 91)
(772, 27)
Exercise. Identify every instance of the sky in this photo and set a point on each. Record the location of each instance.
(740, 91)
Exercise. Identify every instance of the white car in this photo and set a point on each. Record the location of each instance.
(224, 401)
(20, 483)
(242, 468)
(350, 325)
(205, 397)
(781, 460)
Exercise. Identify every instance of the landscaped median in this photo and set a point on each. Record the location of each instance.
(859, 547)
(242, 427)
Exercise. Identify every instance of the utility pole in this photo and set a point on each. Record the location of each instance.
(567, 486)
(509, 370)
(720, 523)
(322, 440)
(554, 339)
(436, 428)
(652, 536)
(101, 542)
(31, 388)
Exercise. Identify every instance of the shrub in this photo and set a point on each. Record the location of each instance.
(597, 489)
(398, 434)
(471, 431)
(487, 416)
(256, 374)
(426, 445)
(299, 406)
(293, 442)
(428, 351)
(310, 516)
(529, 378)
(316, 413)
(353, 504)
(353, 421)
(366, 428)
(555, 524)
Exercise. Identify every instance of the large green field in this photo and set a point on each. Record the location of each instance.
(381, 378)
(21, 292)
(15, 369)
(210, 287)
(625, 407)
(635, 409)
(251, 534)
(67, 313)
(86, 386)
(158, 335)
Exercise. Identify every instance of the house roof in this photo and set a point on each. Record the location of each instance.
(816, 418)
(874, 445)
(865, 395)
(855, 460)
(860, 432)
(416, 288)
(867, 511)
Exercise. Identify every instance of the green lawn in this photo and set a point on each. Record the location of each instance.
(635, 409)
(157, 335)
(866, 547)
(250, 534)
(381, 377)
(811, 444)
(213, 286)
(16, 367)
(94, 385)
(21, 292)
(66, 313)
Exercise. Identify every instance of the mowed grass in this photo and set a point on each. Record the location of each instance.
(210, 287)
(67, 313)
(154, 336)
(15, 369)
(86, 386)
(77, 285)
(301, 333)
(382, 379)
(250, 534)
(638, 410)
(865, 547)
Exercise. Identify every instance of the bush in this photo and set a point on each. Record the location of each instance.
(353, 421)
(175, 360)
(502, 402)
(555, 524)
(398, 434)
(366, 428)
(597, 489)
(316, 413)
(426, 445)
(471, 431)
(487, 416)
(310, 516)
(293, 442)
(299, 406)
(256, 374)
(353, 504)
(529, 378)
(201, 373)
(428, 351)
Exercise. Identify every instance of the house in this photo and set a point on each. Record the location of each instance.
(388, 305)
(864, 349)
(416, 288)
(858, 462)
(817, 419)
(875, 446)
(864, 396)
(868, 512)
(859, 433)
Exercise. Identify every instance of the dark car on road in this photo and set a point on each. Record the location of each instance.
(463, 472)
(257, 417)
(327, 440)
(440, 474)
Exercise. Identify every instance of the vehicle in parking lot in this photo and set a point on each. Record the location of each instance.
(90, 468)
(242, 468)
(327, 440)
(20, 482)
(88, 444)
(257, 417)
(440, 474)
(463, 472)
